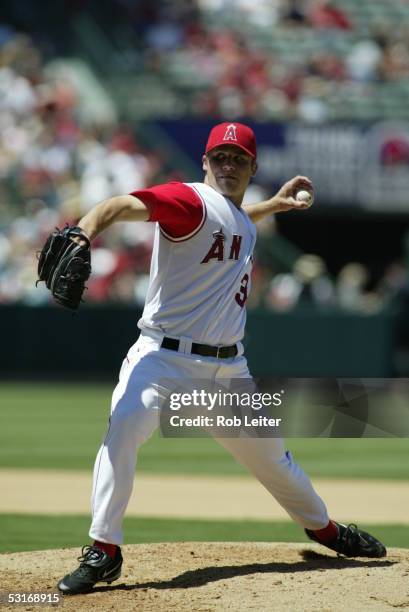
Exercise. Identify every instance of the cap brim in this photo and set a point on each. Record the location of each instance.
(231, 144)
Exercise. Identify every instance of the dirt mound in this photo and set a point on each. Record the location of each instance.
(207, 576)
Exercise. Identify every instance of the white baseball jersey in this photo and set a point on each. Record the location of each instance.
(200, 280)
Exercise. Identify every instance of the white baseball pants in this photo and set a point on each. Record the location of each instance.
(135, 416)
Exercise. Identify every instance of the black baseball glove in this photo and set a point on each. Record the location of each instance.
(65, 265)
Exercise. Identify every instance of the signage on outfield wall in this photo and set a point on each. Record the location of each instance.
(350, 164)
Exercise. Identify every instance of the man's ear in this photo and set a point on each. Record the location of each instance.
(204, 163)
(254, 168)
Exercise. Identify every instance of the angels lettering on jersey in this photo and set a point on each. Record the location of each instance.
(217, 248)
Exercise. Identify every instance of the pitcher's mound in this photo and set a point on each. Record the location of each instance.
(205, 576)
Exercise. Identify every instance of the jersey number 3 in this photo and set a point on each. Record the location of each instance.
(241, 296)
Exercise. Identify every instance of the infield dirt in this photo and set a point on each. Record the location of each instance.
(204, 497)
(204, 577)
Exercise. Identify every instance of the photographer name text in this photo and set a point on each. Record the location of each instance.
(222, 421)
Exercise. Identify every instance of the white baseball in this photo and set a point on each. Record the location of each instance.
(305, 197)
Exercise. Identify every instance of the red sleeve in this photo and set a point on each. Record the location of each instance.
(177, 207)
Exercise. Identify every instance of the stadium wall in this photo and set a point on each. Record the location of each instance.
(50, 343)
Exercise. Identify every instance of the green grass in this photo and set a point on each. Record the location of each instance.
(60, 426)
(33, 532)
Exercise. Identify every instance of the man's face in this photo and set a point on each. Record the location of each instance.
(229, 170)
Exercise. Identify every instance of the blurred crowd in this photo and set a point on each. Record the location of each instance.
(54, 166)
(308, 284)
(285, 278)
(280, 59)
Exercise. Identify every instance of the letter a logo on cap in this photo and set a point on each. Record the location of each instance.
(230, 132)
(237, 134)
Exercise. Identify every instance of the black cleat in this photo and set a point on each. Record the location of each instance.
(95, 566)
(352, 542)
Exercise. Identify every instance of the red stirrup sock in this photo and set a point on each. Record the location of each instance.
(329, 533)
(110, 549)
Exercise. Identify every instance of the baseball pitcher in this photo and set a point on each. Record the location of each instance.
(192, 327)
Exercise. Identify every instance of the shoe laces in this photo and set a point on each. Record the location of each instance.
(90, 553)
(350, 536)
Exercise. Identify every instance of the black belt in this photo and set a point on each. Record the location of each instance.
(205, 350)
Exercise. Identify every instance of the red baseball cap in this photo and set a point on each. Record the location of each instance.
(236, 134)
